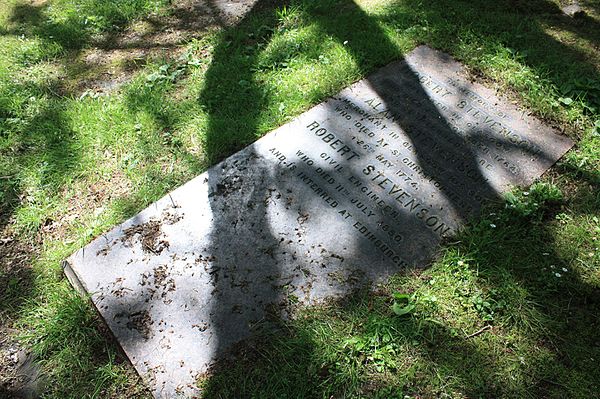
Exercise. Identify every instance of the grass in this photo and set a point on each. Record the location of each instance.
(75, 163)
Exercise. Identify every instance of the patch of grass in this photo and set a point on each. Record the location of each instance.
(71, 24)
(65, 335)
(72, 166)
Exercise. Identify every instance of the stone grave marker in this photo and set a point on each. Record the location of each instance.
(355, 189)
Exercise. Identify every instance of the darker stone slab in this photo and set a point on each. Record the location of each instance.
(573, 10)
(355, 189)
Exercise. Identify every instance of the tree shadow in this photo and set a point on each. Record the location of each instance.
(16, 278)
(294, 361)
(102, 44)
(423, 116)
(234, 123)
(567, 303)
(46, 136)
(536, 40)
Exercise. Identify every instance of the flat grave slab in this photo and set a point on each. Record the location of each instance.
(355, 189)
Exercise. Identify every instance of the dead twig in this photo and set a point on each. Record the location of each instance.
(480, 331)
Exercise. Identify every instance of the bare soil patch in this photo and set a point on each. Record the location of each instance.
(19, 376)
(114, 58)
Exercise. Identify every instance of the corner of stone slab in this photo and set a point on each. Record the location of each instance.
(573, 10)
(73, 278)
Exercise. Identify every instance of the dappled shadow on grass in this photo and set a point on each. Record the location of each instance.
(16, 277)
(234, 101)
(480, 29)
(73, 28)
(38, 146)
(102, 44)
(581, 174)
(355, 347)
(32, 117)
(524, 251)
(236, 104)
(43, 144)
(76, 353)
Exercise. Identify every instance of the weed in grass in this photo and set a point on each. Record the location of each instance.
(530, 204)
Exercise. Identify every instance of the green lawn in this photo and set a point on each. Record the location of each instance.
(510, 309)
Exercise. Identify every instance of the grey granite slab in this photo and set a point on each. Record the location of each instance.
(355, 189)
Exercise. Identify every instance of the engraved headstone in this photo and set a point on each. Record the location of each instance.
(355, 189)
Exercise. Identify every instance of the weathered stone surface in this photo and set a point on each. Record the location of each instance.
(357, 188)
(573, 10)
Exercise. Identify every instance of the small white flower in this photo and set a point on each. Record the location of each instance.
(564, 269)
(545, 254)
(557, 274)
(552, 266)
(460, 263)
(525, 192)
(492, 225)
(345, 42)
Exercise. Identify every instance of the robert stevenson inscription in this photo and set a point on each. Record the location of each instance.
(357, 188)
